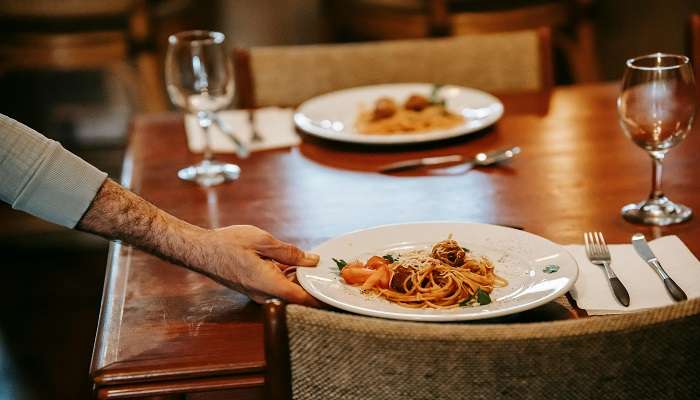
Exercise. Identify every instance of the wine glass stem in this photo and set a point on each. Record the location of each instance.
(657, 169)
(205, 123)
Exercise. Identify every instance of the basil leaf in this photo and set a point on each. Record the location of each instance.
(340, 263)
(466, 250)
(434, 94)
(389, 258)
(482, 297)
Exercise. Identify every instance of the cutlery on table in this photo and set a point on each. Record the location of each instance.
(255, 135)
(642, 247)
(241, 148)
(598, 253)
(479, 160)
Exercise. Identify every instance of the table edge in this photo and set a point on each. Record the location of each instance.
(177, 387)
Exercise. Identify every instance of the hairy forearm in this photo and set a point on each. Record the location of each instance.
(241, 257)
(117, 213)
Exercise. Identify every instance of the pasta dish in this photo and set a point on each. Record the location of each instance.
(416, 114)
(447, 276)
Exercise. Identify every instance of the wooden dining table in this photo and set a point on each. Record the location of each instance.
(166, 332)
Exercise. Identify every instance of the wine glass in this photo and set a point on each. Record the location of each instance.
(656, 108)
(199, 79)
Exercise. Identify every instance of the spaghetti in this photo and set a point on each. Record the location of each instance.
(417, 114)
(447, 276)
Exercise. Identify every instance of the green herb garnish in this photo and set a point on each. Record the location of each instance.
(482, 297)
(434, 99)
(550, 269)
(389, 258)
(466, 301)
(340, 263)
(466, 250)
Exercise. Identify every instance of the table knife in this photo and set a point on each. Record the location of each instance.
(640, 245)
(241, 148)
(481, 159)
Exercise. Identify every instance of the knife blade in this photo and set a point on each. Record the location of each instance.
(640, 244)
(480, 159)
(420, 162)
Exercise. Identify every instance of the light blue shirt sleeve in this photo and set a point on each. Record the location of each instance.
(39, 176)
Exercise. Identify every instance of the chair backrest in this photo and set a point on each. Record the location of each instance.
(340, 356)
(403, 19)
(517, 61)
(694, 46)
(47, 9)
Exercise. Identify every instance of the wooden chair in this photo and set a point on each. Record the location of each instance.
(403, 19)
(694, 46)
(501, 62)
(316, 354)
(72, 35)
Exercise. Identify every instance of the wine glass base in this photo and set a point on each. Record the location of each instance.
(659, 212)
(210, 173)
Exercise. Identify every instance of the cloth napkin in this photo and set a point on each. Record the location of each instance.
(275, 125)
(592, 291)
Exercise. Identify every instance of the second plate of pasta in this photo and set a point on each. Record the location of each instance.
(439, 271)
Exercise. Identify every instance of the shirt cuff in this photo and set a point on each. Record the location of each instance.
(62, 188)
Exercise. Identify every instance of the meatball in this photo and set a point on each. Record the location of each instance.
(449, 252)
(416, 103)
(398, 278)
(384, 108)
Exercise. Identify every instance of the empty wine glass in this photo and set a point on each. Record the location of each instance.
(199, 79)
(657, 107)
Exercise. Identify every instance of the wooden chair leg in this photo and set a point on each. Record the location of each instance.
(152, 88)
(145, 90)
(582, 56)
(278, 382)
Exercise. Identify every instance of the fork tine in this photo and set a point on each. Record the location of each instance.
(591, 244)
(603, 246)
(593, 249)
(594, 243)
(587, 244)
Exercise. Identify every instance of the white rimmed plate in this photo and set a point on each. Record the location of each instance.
(537, 270)
(332, 115)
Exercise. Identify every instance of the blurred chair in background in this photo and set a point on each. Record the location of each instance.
(98, 51)
(573, 32)
(314, 354)
(70, 35)
(694, 47)
(508, 62)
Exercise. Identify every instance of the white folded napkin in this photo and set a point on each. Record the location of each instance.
(592, 291)
(275, 125)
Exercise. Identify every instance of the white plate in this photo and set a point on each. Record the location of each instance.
(520, 257)
(332, 115)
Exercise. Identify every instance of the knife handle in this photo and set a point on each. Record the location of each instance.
(620, 291)
(676, 292)
(673, 289)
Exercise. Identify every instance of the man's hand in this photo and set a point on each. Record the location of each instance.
(241, 257)
(252, 261)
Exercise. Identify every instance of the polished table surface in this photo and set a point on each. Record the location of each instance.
(165, 330)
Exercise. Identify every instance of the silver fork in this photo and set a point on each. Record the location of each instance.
(597, 251)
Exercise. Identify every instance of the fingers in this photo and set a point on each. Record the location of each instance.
(287, 254)
(289, 271)
(292, 293)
